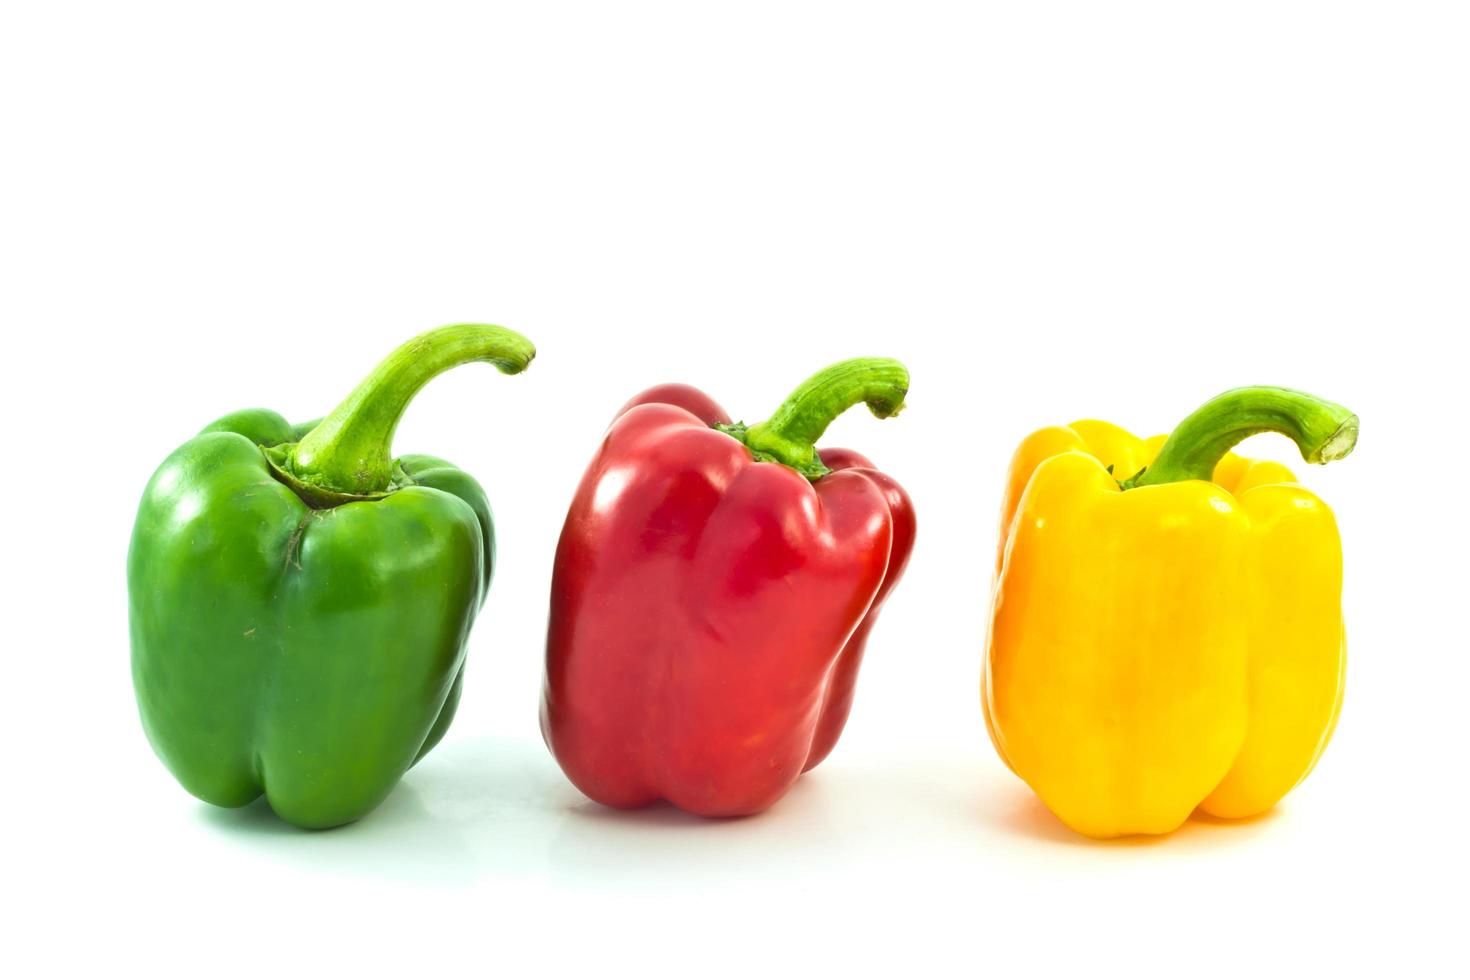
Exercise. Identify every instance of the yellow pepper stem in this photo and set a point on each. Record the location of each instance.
(1322, 430)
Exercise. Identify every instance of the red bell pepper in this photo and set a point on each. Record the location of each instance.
(713, 591)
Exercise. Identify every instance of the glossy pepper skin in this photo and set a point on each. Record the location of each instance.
(1173, 640)
(710, 602)
(299, 602)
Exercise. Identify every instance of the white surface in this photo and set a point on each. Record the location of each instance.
(1048, 211)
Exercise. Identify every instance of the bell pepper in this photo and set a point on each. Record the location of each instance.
(712, 594)
(299, 601)
(1167, 626)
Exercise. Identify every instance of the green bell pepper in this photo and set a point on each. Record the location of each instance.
(299, 601)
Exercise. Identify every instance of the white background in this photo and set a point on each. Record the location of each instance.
(1048, 211)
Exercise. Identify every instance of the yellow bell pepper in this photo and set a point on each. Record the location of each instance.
(1166, 627)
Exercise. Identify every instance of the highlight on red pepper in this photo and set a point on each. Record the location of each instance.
(713, 591)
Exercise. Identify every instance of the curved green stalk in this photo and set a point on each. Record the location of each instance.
(789, 436)
(1322, 430)
(347, 456)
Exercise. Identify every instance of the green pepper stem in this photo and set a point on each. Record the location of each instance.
(1323, 431)
(348, 453)
(789, 436)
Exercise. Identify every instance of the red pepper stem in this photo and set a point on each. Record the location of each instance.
(348, 454)
(789, 436)
(1322, 430)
